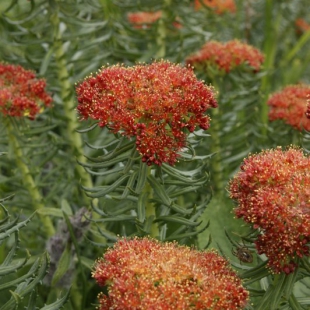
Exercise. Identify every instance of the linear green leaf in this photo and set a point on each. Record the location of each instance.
(57, 304)
(142, 177)
(63, 264)
(177, 219)
(15, 282)
(141, 206)
(11, 230)
(98, 192)
(159, 190)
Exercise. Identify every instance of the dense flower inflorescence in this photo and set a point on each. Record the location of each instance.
(290, 105)
(143, 19)
(21, 93)
(226, 56)
(146, 274)
(220, 6)
(272, 190)
(154, 103)
(301, 25)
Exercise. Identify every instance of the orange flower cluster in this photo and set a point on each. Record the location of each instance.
(290, 105)
(226, 56)
(21, 94)
(154, 103)
(143, 20)
(272, 190)
(146, 274)
(220, 6)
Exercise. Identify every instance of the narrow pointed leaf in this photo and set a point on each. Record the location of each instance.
(57, 304)
(98, 192)
(141, 206)
(159, 190)
(177, 219)
(15, 228)
(15, 282)
(63, 264)
(142, 177)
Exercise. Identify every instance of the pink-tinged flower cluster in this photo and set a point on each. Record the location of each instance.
(226, 56)
(145, 274)
(21, 93)
(220, 6)
(272, 190)
(290, 105)
(153, 102)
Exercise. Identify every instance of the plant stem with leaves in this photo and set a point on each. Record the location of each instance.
(162, 31)
(69, 101)
(20, 159)
(150, 209)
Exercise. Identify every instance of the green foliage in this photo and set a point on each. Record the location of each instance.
(17, 284)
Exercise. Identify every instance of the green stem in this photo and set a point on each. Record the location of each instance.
(150, 208)
(162, 31)
(214, 130)
(37, 200)
(68, 99)
(270, 47)
(296, 138)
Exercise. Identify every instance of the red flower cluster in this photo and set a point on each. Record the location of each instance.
(146, 274)
(290, 105)
(220, 6)
(226, 56)
(21, 94)
(272, 190)
(154, 103)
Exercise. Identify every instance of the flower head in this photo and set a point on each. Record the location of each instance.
(21, 93)
(227, 56)
(143, 19)
(220, 6)
(290, 105)
(301, 25)
(154, 103)
(272, 190)
(146, 274)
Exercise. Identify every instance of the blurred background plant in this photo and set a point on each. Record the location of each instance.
(63, 42)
